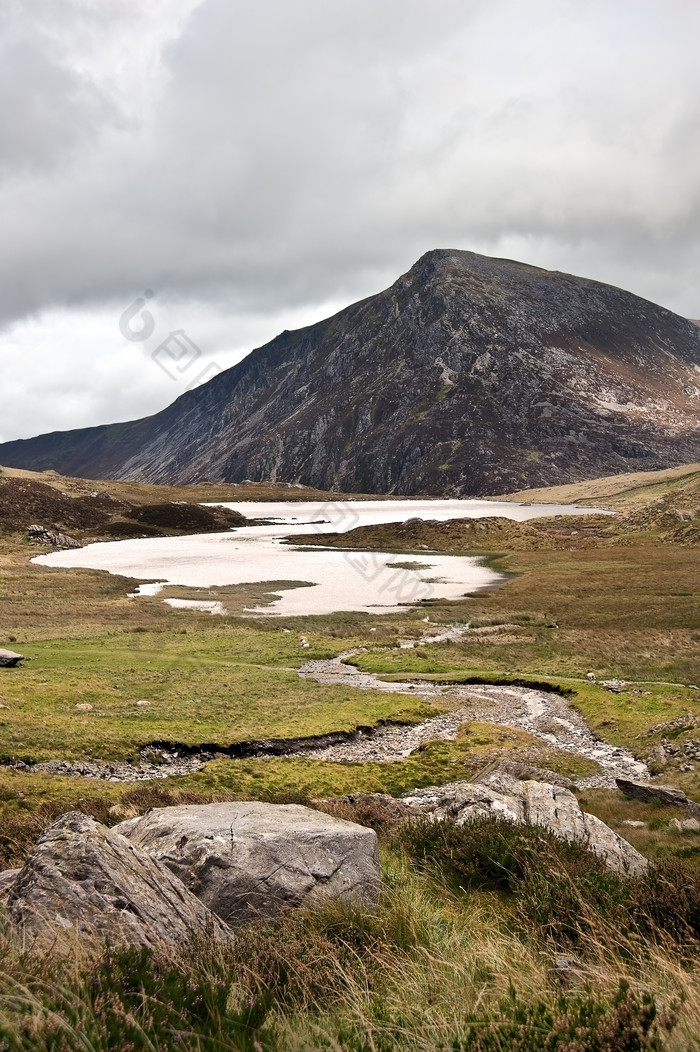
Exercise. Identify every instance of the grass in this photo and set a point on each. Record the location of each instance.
(434, 964)
(30, 801)
(655, 839)
(146, 493)
(631, 490)
(452, 956)
(627, 612)
(620, 611)
(219, 687)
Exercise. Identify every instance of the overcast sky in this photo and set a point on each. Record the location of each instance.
(257, 164)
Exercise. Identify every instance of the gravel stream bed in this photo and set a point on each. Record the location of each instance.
(170, 762)
(548, 717)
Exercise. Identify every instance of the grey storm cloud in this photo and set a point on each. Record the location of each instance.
(255, 159)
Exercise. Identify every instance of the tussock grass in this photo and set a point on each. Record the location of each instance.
(435, 964)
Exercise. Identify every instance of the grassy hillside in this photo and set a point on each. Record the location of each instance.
(621, 492)
(87, 510)
(145, 493)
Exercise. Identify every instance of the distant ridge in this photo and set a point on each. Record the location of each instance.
(470, 375)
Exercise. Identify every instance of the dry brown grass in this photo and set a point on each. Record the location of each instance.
(406, 974)
(146, 493)
(622, 492)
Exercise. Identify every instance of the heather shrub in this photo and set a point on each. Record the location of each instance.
(559, 890)
(571, 1023)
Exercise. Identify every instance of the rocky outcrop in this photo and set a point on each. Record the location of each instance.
(530, 802)
(82, 879)
(666, 795)
(250, 860)
(469, 375)
(40, 535)
(497, 794)
(525, 772)
(175, 871)
(9, 659)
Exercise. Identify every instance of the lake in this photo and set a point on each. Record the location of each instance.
(373, 582)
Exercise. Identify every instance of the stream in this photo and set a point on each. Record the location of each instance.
(547, 716)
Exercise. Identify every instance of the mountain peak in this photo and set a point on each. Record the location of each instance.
(458, 259)
(469, 375)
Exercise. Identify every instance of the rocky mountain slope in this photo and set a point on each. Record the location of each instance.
(470, 375)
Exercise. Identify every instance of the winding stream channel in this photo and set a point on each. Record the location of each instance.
(546, 716)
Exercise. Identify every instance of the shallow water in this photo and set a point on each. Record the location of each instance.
(343, 515)
(337, 580)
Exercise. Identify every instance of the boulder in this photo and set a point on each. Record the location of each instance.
(249, 860)
(531, 802)
(666, 795)
(569, 971)
(688, 825)
(7, 878)
(524, 772)
(8, 659)
(83, 879)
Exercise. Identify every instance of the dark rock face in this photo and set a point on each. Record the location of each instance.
(470, 375)
(667, 795)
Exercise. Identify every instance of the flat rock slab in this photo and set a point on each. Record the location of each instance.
(528, 802)
(666, 795)
(9, 659)
(250, 860)
(82, 879)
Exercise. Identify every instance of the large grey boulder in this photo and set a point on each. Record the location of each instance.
(82, 879)
(9, 659)
(531, 802)
(249, 860)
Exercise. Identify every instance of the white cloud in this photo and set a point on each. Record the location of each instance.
(64, 369)
(250, 160)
